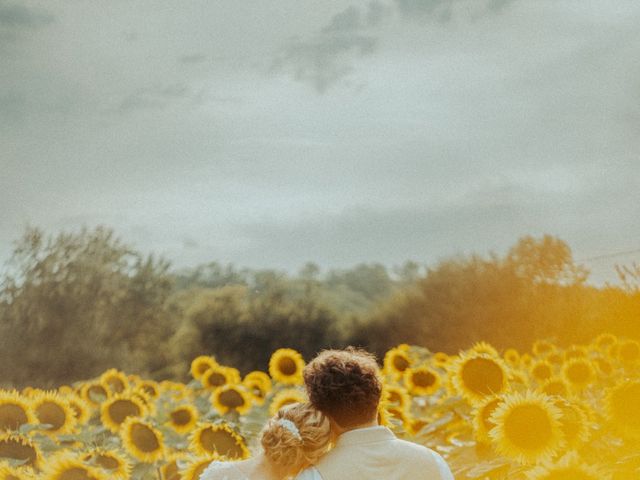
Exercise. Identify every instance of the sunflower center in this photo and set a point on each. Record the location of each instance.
(107, 462)
(579, 373)
(12, 416)
(75, 473)
(11, 448)
(144, 438)
(115, 384)
(171, 471)
(542, 372)
(97, 393)
(221, 442)
(52, 413)
(231, 398)
(150, 390)
(181, 416)
(528, 427)
(287, 366)
(483, 376)
(555, 388)
(424, 379)
(400, 363)
(121, 409)
(216, 379)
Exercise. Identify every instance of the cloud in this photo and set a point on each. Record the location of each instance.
(157, 98)
(19, 16)
(327, 57)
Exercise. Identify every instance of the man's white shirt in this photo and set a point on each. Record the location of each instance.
(374, 453)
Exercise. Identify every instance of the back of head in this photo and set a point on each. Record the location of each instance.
(296, 437)
(344, 384)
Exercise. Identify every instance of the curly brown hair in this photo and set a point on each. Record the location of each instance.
(345, 385)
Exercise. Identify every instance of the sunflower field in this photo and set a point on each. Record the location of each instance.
(553, 413)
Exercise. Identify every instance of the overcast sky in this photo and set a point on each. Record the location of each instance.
(273, 133)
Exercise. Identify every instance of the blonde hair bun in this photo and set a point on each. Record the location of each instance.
(296, 437)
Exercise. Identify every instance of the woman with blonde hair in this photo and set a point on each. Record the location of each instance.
(294, 439)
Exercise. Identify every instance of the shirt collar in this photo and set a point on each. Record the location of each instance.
(357, 436)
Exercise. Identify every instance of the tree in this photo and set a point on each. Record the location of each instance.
(73, 305)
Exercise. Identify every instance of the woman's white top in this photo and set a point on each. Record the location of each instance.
(309, 474)
(218, 470)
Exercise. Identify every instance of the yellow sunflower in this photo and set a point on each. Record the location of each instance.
(527, 427)
(142, 440)
(476, 375)
(555, 358)
(604, 366)
(622, 408)
(629, 352)
(150, 387)
(20, 447)
(422, 380)
(286, 365)
(604, 341)
(526, 360)
(575, 351)
(484, 347)
(94, 392)
(53, 409)
(259, 384)
(396, 361)
(542, 347)
(7, 472)
(201, 364)
(395, 395)
(110, 460)
(218, 439)
(512, 357)
(116, 409)
(183, 418)
(15, 410)
(541, 371)
(82, 410)
(231, 398)
(569, 467)
(65, 390)
(574, 423)
(578, 372)
(115, 380)
(217, 377)
(286, 397)
(554, 386)
(194, 467)
(68, 466)
(482, 417)
(170, 468)
(440, 359)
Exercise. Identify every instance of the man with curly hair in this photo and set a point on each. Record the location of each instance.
(346, 386)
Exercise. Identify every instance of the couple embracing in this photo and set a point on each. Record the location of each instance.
(336, 435)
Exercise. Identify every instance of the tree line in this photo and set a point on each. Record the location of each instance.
(75, 304)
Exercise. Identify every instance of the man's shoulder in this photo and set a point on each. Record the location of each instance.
(424, 457)
(415, 450)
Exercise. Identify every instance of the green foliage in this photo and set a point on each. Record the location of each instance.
(74, 305)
